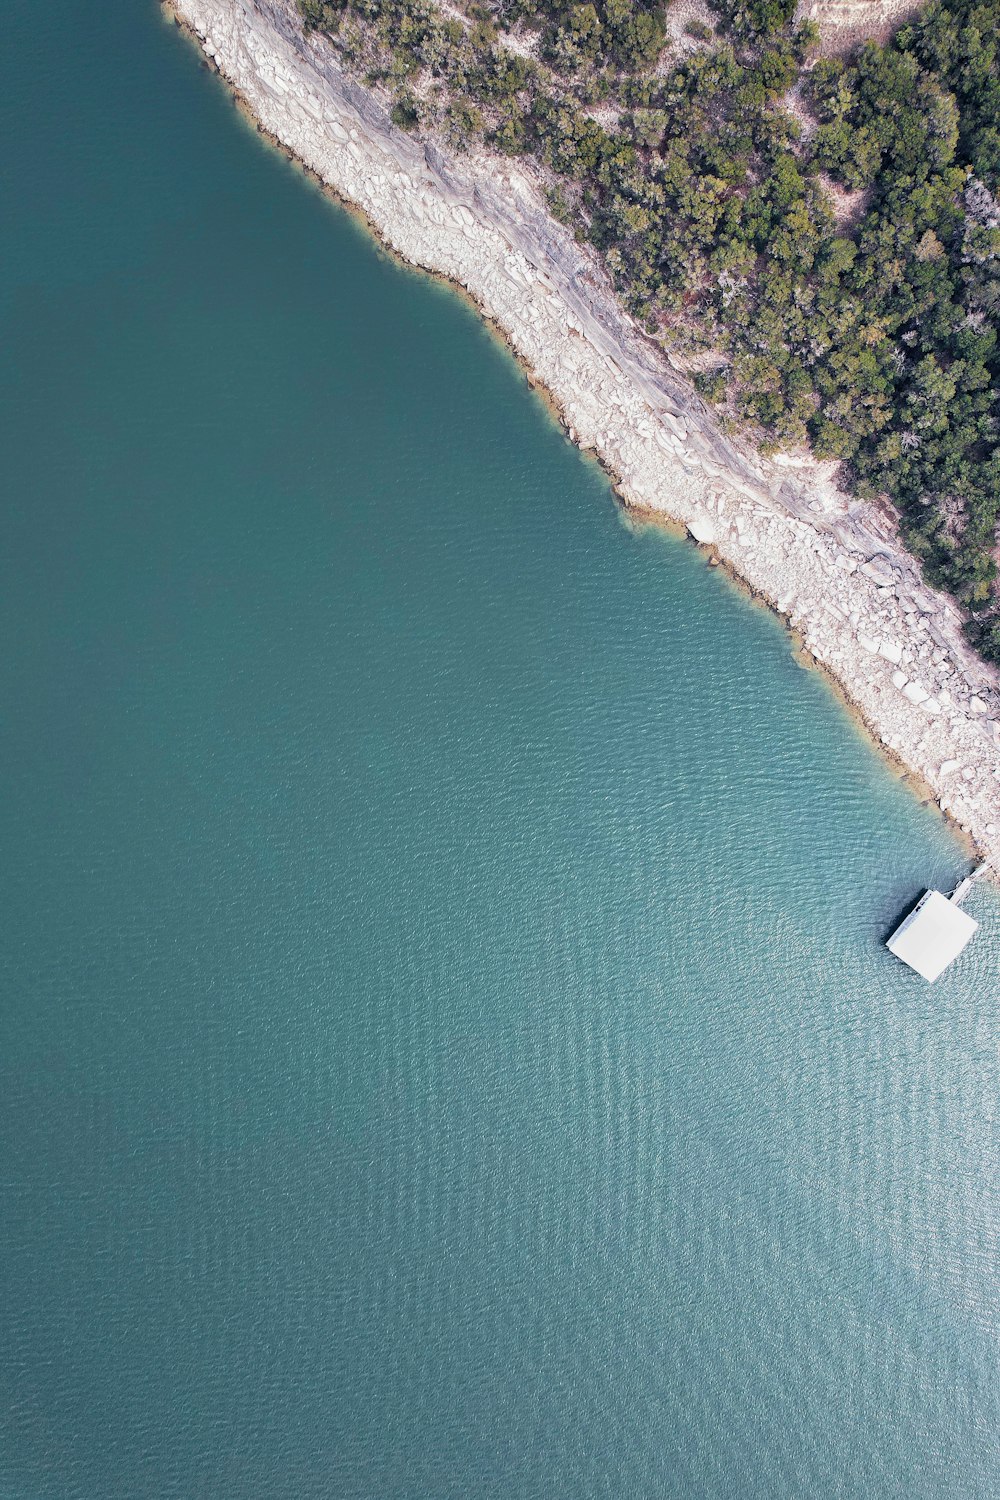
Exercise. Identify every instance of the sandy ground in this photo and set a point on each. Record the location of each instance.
(845, 23)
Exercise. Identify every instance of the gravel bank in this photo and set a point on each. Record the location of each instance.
(831, 565)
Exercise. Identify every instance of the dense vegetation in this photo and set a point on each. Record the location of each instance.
(820, 239)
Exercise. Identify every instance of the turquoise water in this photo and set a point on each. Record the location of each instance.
(447, 1048)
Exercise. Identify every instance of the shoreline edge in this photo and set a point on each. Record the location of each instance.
(828, 565)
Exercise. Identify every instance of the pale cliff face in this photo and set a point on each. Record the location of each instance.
(831, 564)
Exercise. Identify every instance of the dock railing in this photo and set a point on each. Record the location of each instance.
(963, 888)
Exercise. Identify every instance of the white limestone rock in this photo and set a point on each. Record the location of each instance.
(635, 415)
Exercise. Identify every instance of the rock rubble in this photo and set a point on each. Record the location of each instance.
(830, 564)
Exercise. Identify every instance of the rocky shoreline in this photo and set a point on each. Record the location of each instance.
(832, 566)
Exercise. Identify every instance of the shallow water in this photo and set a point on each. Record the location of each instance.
(447, 1045)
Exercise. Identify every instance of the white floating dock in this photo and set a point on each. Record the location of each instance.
(933, 935)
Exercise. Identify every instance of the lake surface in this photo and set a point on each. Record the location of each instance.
(447, 1045)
